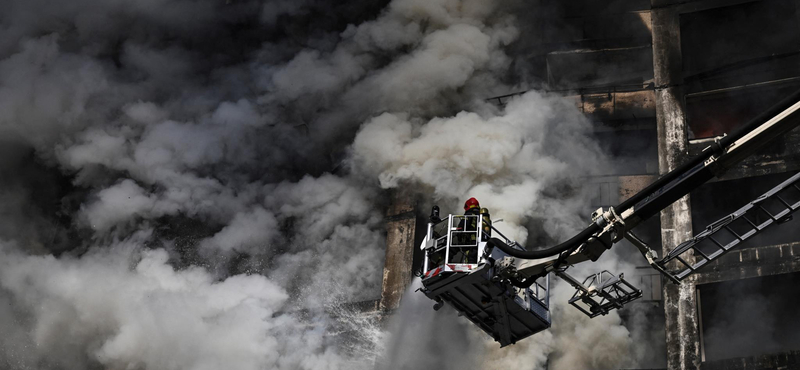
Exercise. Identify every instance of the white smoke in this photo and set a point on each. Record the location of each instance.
(421, 337)
(509, 160)
(139, 307)
(224, 168)
(124, 306)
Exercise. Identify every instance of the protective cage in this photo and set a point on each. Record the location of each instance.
(457, 269)
(602, 292)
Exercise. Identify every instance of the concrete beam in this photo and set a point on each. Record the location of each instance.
(779, 361)
(680, 307)
(619, 105)
(400, 227)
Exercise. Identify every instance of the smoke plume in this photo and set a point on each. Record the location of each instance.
(200, 184)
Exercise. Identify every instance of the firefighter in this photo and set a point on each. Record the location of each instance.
(473, 207)
(470, 224)
(487, 224)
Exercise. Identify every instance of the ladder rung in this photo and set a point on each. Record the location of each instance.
(684, 262)
(716, 242)
(716, 254)
(750, 222)
(749, 234)
(701, 253)
(701, 264)
(729, 246)
(783, 201)
(783, 214)
(767, 212)
(733, 232)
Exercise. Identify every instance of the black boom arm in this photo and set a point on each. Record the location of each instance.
(612, 225)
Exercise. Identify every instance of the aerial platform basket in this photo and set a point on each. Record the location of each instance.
(459, 270)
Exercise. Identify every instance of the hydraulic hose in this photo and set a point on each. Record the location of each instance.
(575, 241)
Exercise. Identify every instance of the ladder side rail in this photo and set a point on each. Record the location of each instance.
(724, 223)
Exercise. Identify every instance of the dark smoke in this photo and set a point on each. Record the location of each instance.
(194, 184)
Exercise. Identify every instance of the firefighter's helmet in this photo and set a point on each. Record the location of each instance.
(471, 203)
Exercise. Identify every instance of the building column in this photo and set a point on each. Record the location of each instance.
(680, 301)
(400, 225)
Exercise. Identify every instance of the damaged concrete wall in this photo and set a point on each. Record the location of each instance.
(400, 231)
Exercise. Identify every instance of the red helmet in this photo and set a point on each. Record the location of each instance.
(471, 203)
